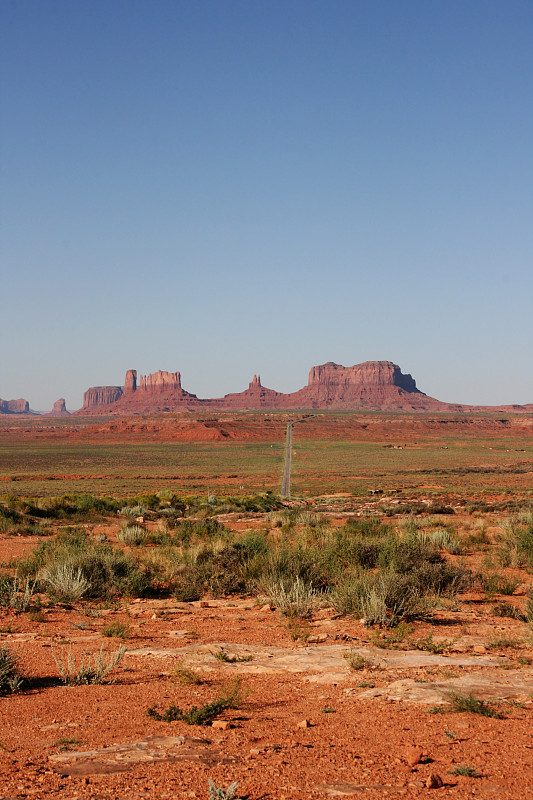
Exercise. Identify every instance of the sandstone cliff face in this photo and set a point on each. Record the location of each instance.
(14, 406)
(130, 383)
(98, 396)
(371, 373)
(379, 385)
(160, 391)
(159, 381)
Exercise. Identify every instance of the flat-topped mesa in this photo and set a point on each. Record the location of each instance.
(97, 396)
(370, 373)
(20, 406)
(159, 381)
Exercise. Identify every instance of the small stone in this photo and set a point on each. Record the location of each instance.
(204, 604)
(479, 648)
(434, 782)
(221, 724)
(266, 608)
(413, 756)
(317, 638)
(304, 724)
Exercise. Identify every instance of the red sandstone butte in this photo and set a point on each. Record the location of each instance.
(59, 409)
(14, 406)
(378, 385)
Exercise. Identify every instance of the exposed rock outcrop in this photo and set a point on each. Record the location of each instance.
(59, 409)
(159, 381)
(379, 385)
(14, 406)
(98, 396)
(130, 384)
(374, 384)
(255, 396)
(371, 373)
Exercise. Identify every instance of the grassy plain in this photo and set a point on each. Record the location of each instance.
(334, 453)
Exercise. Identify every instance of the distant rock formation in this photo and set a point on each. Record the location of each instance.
(14, 406)
(98, 396)
(379, 385)
(371, 373)
(158, 382)
(372, 385)
(59, 409)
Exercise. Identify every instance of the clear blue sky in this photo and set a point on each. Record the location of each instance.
(225, 187)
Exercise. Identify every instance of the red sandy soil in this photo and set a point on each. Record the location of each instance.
(350, 745)
(271, 427)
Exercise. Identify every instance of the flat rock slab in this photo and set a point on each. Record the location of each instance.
(347, 789)
(121, 757)
(493, 686)
(319, 664)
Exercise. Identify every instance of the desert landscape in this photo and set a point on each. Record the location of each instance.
(266, 404)
(171, 626)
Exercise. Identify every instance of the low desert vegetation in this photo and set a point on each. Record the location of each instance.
(229, 697)
(92, 669)
(383, 570)
(10, 678)
(218, 793)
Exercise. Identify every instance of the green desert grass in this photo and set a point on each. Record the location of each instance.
(465, 466)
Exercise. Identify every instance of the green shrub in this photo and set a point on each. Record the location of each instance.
(469, 703)
(132, 511)
(107, 571)
(15, 592)
(201, 715)
(504, 609)
(525, 543)
(496, 583)
(218, 793)
(93, 670)
(428, 644)
(132, 535)
(186, 675)
(357, 662)
(119, 630)
(67, 583)
(466, 770)
(293, 599)
(10, 679)
(384, 598)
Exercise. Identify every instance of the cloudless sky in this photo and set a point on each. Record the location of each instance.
(229, 187)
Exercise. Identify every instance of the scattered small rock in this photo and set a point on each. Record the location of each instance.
(434, 782)
(304, 724)
(221, 724)
(413, 756)
(317, 638)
